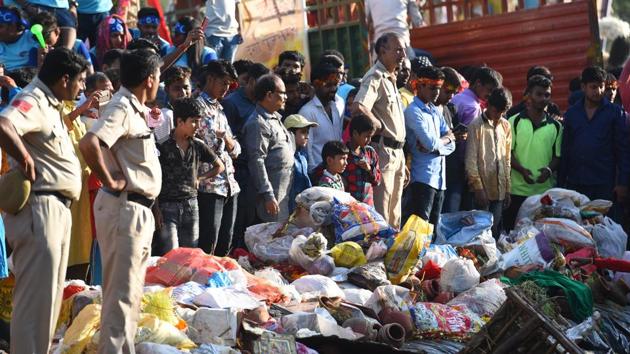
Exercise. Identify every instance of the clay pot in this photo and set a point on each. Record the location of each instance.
(390, 315)
(363, 326)
(392, 334)
(430, 288)
(444, 297)
(412, 283)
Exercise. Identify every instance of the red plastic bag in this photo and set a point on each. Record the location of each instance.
(71, 290)
(265, 290)
(179, 265)
(430, 271)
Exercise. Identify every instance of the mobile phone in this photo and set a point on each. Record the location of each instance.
(106, 96)
(204, 23)
(460, 128)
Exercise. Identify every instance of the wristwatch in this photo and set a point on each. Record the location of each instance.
(73, 3)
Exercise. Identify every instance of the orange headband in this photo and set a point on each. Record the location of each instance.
(427, 81)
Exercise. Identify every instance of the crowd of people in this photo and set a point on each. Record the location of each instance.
(144, 146)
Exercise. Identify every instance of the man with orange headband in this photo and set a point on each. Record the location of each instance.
(325, 109)
(430, 141)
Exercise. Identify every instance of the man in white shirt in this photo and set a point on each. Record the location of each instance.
(223, 32)
(326, 108)
(391, 17)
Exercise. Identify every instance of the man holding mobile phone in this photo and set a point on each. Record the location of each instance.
(223, 29)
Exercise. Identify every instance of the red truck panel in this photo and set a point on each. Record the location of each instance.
(563, 37)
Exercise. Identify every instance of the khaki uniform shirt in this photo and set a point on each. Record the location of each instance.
(379, 94)
(123, 128)
(488, 160)
(36, 115)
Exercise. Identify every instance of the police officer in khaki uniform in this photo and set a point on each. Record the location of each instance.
(379, 99)
(121, 149)
(33, 133)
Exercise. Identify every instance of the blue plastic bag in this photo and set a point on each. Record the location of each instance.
(359, 222)
(219, 280)
(462, 227)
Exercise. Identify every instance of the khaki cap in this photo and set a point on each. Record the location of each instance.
(296, 121)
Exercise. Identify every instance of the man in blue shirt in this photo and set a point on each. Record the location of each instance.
(430, 141)
(595, 151)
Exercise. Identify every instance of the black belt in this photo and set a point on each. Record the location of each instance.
(389, 142)
(62, 198)
(140, 199)
(133, 197)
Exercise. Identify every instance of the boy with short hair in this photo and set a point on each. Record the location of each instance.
(176, 85)
(335, 160)
(363, 171)
(148, 25)
(488, 157)
(180, 155)
(299, 126)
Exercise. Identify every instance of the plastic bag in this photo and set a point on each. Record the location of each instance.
(185, 293)
(359, 222)
(160, 304)
(458, 275)
(470, 229)
(462, 227)
(565, 232)
(324, 265)
(181, 264)
(433, 320)
(567, 203)
(227, 298)
(217, 326)
(316, 323)
(369, 276)
(357, 296)
(266, 290)
(393, 296)
(314, 286)
(408, 246)
(273, 275)
(318, 203)
(348, 254)
(439, 254)
(598, 205)
(214, 349)
(522, 232)
(270, 242)
(79, 335)
(305, 250)
(484, 299)
(376, 251)
(536, 250)
(154, 348)
(152, 329)
(610, 238)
